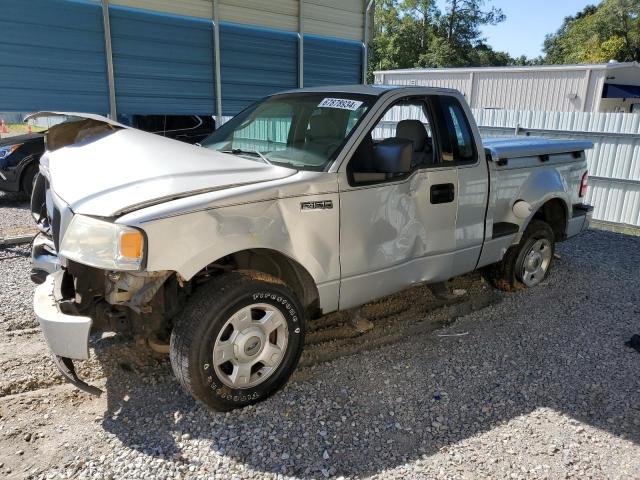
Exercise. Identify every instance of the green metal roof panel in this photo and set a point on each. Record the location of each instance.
(163, 63)
(255, 62)
(52, 56)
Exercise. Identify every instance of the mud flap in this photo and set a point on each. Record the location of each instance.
(68, 371)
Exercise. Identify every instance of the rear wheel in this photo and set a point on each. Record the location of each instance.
(528, 263)
(238, 340)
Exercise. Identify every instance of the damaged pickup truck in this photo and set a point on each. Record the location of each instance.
(305, 203)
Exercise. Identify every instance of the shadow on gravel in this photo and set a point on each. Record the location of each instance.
(14, 251)
(14, 200)
(559, 346)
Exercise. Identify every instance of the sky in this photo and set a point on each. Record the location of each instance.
(527, 23)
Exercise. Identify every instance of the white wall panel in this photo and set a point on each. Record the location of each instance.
(614, 162)
(191, 8)
(279, 14)
(457, 81)
(334, 18)
(531, 90)
(564, 88)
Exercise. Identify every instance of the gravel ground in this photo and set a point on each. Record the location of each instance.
(14, 215)
(535, 384)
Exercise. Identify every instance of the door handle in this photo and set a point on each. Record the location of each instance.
(443, 193)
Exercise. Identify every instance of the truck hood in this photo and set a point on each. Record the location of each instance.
(124, 169)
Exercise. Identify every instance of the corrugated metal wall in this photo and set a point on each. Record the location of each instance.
(459, 81)
(533, 91)
(278, 14)
(54, 52)
(614, 162)
(334, 18)
(163, 63)
(191, 8)
(329, 61)
(255, 62)
(52, 56)
(561, 89)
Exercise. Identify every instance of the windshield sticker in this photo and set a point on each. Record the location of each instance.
(341, 103)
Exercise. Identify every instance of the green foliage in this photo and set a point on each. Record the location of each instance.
(597, 34)
(416, 33)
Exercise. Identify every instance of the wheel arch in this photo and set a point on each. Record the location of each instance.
(555, 212)
(278, 265)
(27, 163)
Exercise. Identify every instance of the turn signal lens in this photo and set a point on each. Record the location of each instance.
(584, 183)
(131, 245)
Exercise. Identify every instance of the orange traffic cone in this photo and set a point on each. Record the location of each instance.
(3, 127)
(29, 129)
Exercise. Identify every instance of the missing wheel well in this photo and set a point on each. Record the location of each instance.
(554, 213)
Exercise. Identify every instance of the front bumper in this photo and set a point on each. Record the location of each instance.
(44, 259)
(66, 335)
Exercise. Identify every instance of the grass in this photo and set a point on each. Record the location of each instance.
(19, 129)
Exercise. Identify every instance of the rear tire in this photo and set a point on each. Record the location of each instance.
(528, 263)
(238, 340)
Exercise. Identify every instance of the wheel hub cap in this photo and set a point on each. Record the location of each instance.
(536, 262)
(250, 346)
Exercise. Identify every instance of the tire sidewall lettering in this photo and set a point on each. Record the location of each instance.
(214, 385)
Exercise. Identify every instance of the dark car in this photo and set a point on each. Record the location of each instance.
(19, 158)
(185, 128)
(19, 155)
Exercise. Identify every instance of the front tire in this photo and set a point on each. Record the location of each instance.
(528, 263)
(238, 340)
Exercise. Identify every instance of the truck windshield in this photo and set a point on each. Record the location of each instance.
(304, 131)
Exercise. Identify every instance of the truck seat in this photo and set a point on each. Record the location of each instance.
(322, 138)
(414, 130)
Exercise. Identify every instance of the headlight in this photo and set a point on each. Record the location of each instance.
(103, 244)
(8, 150)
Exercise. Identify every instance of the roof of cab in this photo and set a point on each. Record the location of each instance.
(376, 90)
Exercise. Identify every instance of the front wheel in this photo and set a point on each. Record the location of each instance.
(238, 340)
(528, 263)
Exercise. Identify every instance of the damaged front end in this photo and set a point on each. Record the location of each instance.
(78, 300)
(73, 299)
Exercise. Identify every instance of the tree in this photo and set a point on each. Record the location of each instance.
(464, 18)
(597, 34)
(416, 33)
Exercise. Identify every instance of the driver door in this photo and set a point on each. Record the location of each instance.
(395, 232)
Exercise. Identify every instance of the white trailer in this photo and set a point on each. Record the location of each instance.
(611, 87)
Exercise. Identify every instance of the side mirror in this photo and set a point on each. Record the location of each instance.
(393, 155)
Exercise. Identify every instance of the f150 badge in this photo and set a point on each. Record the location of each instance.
(319, 205)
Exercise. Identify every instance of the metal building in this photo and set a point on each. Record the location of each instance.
(612, 87)
(174, 57)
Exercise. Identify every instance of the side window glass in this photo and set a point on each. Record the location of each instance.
(386, 127)
(454, 132)
(404, 129)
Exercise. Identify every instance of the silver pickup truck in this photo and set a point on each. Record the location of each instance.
(305, 203)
